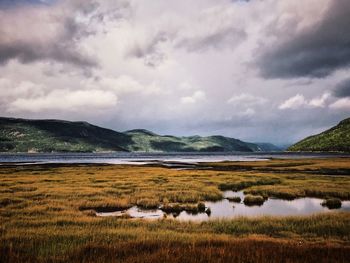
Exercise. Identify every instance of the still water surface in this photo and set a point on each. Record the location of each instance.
(141, 158)
(225, 209)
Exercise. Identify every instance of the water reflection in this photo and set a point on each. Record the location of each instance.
(225, 209)
(135, 212)
(272, 207)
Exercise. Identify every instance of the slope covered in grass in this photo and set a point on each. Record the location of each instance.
(336, 139)
(147, 141)
(21, 135)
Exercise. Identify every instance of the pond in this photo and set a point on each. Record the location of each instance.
(224, 209)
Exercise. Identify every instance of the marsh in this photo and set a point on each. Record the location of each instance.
(49, 212)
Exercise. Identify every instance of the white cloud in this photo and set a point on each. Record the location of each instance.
(121, 85)
(320, 101)
(79, 100)
(341, 104)
(194, 98)
(299, 101)
(294, 102)
(12, 89)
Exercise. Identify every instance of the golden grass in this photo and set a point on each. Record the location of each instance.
(46, 214)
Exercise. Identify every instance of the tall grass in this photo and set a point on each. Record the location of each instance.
(47, 215)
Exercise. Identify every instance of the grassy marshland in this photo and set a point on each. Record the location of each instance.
(251, 200)
(235, 199)
(332, 203)
(46, 213)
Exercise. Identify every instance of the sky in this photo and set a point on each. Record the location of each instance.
(258, 70)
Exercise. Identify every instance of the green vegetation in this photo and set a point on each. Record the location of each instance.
(251, 200)
(201, 207)
(21, 135)
(336, 139)
(332, 203)
(235, 199)
(178, 208)
(287, 179)
(47, 214)
(146, 141)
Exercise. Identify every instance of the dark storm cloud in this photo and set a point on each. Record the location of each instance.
(190, 39)
(58, 52)
(32, 33)
(150, 51)
(342, 90)
(63, 50)
(315, 52)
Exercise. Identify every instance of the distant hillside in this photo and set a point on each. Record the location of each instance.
(147, 141)
(22, 135)
(336, 139)
(268, 147)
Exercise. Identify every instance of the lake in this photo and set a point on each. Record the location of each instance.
(141, 158)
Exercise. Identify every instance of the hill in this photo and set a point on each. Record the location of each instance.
(268, 147)
(147, 141)
(336, 139)
(23, 135)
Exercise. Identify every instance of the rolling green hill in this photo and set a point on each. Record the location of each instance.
(147, 141)
(23, 135)
(336, 139)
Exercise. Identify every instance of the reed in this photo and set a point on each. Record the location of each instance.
(47, 214)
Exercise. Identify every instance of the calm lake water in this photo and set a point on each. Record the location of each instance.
(140, 158)
(224, 209)
(272, 207)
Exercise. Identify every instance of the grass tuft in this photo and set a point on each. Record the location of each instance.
(251, 200)
(235, 199)
(332, 203)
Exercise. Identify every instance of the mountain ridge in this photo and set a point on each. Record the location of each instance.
(53, 135)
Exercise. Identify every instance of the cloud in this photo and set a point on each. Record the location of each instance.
(175, 67)
(50, 32)
(247, 113)
(298, 101)
(320, 102)
(66, 100)
(341, 104)
(194, 98)
(246, 105)
(294, 102)
(342, 89)
(221, 31)
(246, 100)
(11, 90)
(149, 49)
(214, 28)
(120, 85)
(313, 51)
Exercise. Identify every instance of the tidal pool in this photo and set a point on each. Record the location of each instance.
(271, 207)
(136, 212)
(224, 209)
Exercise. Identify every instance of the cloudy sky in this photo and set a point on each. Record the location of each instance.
(258, 70)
